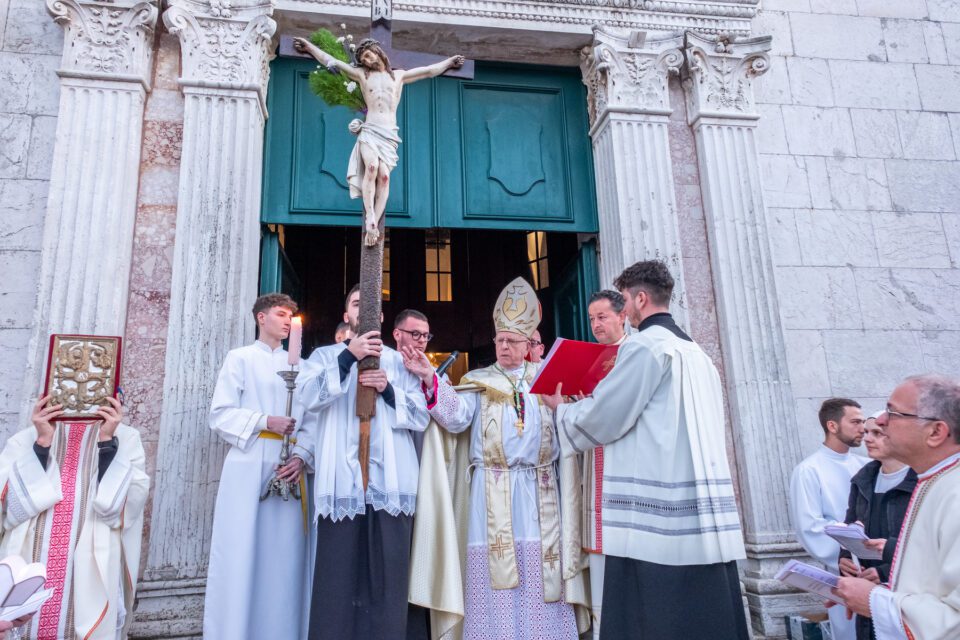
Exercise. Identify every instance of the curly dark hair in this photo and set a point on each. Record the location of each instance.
(271, 300)
(652, 276)
(369, 44)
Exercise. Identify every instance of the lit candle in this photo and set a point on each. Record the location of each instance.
(296, 338)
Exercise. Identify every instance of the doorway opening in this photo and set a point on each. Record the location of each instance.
(452, 275)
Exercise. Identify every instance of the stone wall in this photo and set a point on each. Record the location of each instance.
(860, 139)
(30, 48)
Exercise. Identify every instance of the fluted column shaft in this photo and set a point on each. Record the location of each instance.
(627, 78)
(91, 207)
(722, 113)
(215, 266)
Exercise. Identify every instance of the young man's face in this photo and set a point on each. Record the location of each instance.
(605, 323)
(849, 430)
(404, 334)
(275, 323)
(876, 443)
(352, 315)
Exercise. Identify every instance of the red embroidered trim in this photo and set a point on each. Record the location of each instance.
(423, 387)
(61, 527)
(908, 521)
(598, 497)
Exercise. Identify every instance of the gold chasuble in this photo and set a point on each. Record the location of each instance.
(438, 558)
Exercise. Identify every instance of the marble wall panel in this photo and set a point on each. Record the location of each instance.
(951, 41)
(941, 352)
(771, 135)
(917, 185)
(43, 133)
(22, 203)
(810, 82)
(837, 238)
(951, 229)
(784, 241)
(876, 133)
(945, 10)
(837, 37)
(814, 131)
(841, 7)
(875, 85)
(819, 181)
(818, 298)
(871, 363)
(915, 299)
(916, 9)
(925, 136)
(14, 145)
(808, 363)
(903, 40)
(938, 87)
(911, 240)
(785, 181)
(28, 83)
(934, 44)
(858, 184)
(30, 29)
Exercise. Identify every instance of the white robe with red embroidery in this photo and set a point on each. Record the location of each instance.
(88, 533)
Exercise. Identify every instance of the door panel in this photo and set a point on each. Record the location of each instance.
(572, 290)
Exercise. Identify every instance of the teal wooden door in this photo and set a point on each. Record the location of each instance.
(308, 148)
(571, 292)
(514, 152)
(276, 272)
(507, 150)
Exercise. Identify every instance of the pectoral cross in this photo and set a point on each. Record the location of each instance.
(371, 255)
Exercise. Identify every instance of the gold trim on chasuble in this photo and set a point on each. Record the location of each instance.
(501, 551)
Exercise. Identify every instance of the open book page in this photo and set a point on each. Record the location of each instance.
(19, 580)
(852, 537)
(810, 579)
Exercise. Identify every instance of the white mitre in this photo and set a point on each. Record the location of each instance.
(517, 309)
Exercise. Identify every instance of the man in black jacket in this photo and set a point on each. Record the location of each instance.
(879, 495)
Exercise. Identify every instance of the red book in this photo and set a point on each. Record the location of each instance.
(579, 366)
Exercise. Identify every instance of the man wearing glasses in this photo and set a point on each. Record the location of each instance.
(922, 598)
(411, 329)
(536, 348)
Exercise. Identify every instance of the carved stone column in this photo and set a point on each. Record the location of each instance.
(627, 81)
(721, 110)
(225, 56)
(88, 230)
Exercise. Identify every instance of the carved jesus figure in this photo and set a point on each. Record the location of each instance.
(375, 153)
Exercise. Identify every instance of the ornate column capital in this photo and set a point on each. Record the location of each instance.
(223, 46)
(106, 40)
(719, 75)
(629, 73)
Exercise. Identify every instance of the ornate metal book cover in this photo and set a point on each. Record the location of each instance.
(82, 372)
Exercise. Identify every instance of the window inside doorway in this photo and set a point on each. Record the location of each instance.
(439, 273)
(537, 259)
(385, 284)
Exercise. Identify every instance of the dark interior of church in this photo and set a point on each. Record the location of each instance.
(451, 275)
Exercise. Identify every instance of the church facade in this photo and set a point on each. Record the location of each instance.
(795, 163)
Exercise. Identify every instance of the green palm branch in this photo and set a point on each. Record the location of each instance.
(332, 87)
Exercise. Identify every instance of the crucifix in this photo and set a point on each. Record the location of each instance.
(381, 72)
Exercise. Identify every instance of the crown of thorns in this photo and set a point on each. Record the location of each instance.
(365, 44)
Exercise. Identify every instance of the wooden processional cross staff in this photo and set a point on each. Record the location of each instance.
(371, 256)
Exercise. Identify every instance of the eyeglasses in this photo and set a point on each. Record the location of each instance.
(507, 341)
(535, 343)
(417, 335)
(899, 414)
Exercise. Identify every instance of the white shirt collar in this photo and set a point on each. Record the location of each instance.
(939, 466)
(830, 453)
(265, 347)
